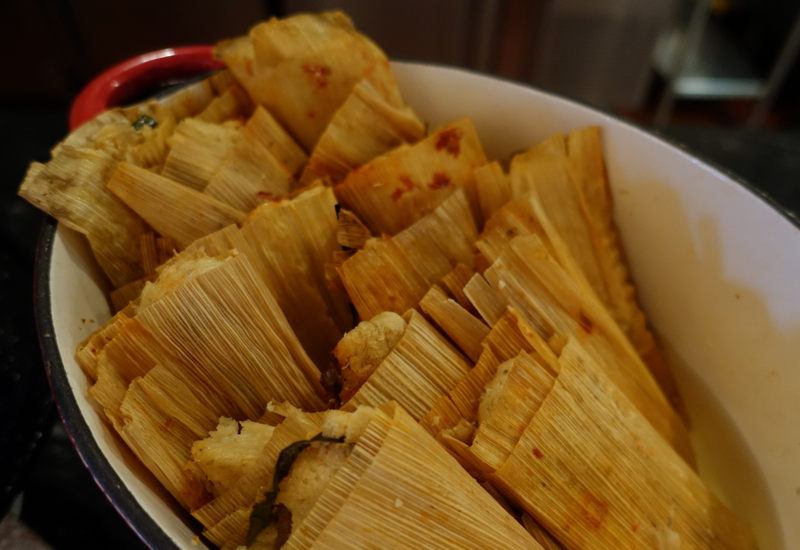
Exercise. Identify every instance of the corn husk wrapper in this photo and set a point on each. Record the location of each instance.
(124, 295)
(71, 188)
(302, 69)
(233, 103)
(261, 166)
(494, 188)
(594, 473)
(223, 517)
(228, 326)
(172, 209)
(454, 283)
(461, 326)
(587, 169)
(420, 369)
(504, 341)
(568, 180)
(539, 533)
(198, 150)
(90, 348)
(548, 299)
(393, 191)
(295, 239)
(350, 231)
(365, 127)
(487, 302)
(400, 489)
(163, 445)
(393, 274)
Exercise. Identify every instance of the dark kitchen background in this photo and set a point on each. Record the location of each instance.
(720, 76)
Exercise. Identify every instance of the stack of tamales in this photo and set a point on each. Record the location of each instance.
(336, 329)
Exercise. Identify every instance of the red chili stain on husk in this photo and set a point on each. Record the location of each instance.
(440, 181)
(537, 453)
(264, 196)
(450, 141)
(593, 511)
(406, 185)
(317, 73)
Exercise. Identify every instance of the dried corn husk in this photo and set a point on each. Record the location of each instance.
(227, 325)
(90, 348)
(528, 383)
(255, 169)
(198, 150)
(365, 127)
(302, 69)
(71, 188)
(455, 281)
(159, 442)
(592, 471)
(494, 188)
(529, 279)
(420, 369)
(250, 488)
(400, 489)
(173, 210)
(461, 326)
(233, 103)
(131, 354)
(487, 301)
(393, 274)
(295, 239)
(393, 191)
(587, 169)
(503, 342)
(350, 231)
(539, 534)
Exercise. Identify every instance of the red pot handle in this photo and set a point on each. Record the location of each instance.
(123, 81)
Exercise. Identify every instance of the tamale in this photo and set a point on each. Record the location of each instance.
(363, 349)
(172, 209)
(160, 442)
(494, 188)
(71, 188)
(393, 274)
(365, 127)
(230, 451)
(302, 69)
(503, 342)
(587, 169)
(249, 488)
(551, 302)
(350, 231)
(227, 325)
(592, 471)
(455, 281)
(393, 191)
(254, 170)
(90, 348)
(233, 103)
(198, 150)
(400, 489)
(295, 239)
(419, 370)
(538, 532)
(486, 300)
(461, 326)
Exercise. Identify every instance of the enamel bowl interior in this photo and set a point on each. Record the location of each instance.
(714, 264)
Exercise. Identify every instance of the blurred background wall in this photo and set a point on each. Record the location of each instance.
(699, 61)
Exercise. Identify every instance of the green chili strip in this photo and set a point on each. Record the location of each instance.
(143, 121)
(262, 515)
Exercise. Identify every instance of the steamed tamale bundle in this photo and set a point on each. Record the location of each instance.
(303, 68)
(374, 479)
(591, 470)
(393, 191)
(287, 237)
